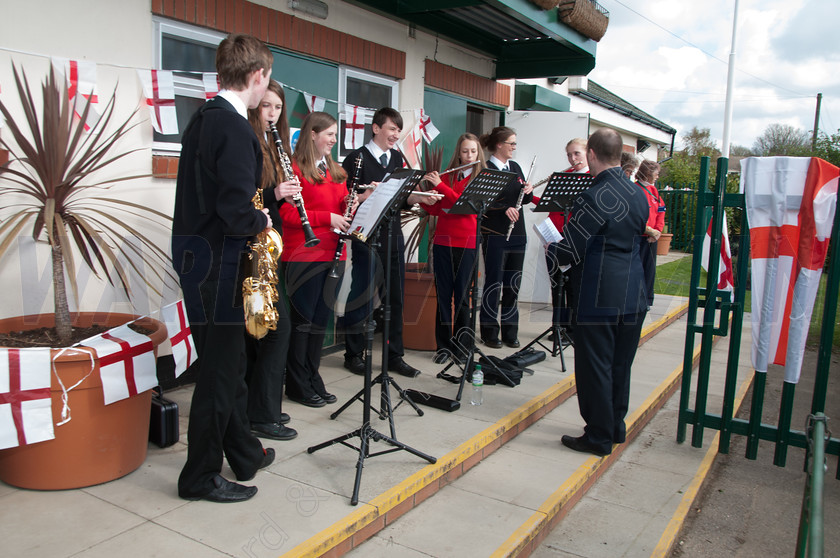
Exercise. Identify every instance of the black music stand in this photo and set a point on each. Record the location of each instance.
(366, 432)
(477, 196)
(559, 195)
(386, 218)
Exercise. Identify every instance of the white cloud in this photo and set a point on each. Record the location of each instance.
(785, 55)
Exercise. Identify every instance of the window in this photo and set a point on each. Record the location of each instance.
(364, 90)
(191, 50)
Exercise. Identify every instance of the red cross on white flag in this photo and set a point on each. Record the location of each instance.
(127, 364)
(314, 103)
(410, 147)
(180, 335)
(355, 119)
(726, 281)
(427, 129)
(159, 90)
(25, 403)
(81, 87)
(211, 84)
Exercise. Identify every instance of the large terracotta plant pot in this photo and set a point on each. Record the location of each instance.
(419, 308)
(663, 245)
(101, 442)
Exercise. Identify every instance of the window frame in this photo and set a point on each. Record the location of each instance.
(184, 86)
(345, 72)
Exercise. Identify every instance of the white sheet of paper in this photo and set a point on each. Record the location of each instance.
(371, 208)
(547, 232)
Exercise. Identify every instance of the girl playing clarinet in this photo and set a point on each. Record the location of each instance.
(312, 293)
(454, 252)
(266, 358)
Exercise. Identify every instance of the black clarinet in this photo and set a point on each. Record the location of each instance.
(342, 239)
(311, 239)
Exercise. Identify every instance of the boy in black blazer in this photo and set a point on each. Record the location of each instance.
(218, 175)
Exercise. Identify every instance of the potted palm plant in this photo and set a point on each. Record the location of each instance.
(420, 297)
(52, 188)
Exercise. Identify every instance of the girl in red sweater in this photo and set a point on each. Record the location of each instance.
(454, 252)
(312, 293)
(646, 177)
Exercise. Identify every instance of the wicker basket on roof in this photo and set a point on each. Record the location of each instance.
(546, 4)
(585, 16)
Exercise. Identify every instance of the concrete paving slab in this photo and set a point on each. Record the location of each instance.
(147, 540)
(62, 523)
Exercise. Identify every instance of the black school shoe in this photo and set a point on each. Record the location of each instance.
(226, 492)
(403, 368)
(583, 445)
(312, 401)
(355, 364)
(273, 431)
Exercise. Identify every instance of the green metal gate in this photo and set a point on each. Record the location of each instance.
(724, 318)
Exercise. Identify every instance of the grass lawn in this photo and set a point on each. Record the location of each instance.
(674, 278)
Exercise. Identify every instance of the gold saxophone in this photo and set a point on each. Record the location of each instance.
(259, 290)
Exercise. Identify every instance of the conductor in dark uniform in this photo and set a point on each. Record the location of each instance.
(214, 218)
(602, 241)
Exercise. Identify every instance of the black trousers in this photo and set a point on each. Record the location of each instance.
(364, 289)
(312, 296)
(648, 256)
(218, 424)
(563, 294)
(266, 369)
(604, 353)
(503, 261)
(453, 276)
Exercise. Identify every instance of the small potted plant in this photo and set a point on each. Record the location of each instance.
(663, 245)
(51, 188)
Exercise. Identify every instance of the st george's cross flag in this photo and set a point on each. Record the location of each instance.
(25, 403)
(410, 147)
(127, 364)
(428, 130)
(211, 84)
(80, 76)
(314, 103)
(790, 207)
(180, 336)
(159, 90)
(726, 281)
(355, 119)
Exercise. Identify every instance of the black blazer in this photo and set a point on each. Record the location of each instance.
(602, 241)
(495, 220)
(218, 175)
(373, 171)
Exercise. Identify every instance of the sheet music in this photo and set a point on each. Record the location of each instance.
(369, 211)
(548, 232)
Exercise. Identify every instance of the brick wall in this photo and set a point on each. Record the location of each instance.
(467, 84)
(285, 31)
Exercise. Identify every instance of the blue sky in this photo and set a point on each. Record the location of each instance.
(670, 58)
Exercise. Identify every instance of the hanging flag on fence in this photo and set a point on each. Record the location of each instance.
(726, 280)
(81, 86)
(25, 403)
(355, 119)
(211, 84)
(790, 205)
(180, 335)
(159, 90)
(127, 364)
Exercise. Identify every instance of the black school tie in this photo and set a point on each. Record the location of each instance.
(384, 160)
(322, 169)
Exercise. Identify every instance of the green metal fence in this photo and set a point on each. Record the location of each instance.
(716, 317)
(680, 214)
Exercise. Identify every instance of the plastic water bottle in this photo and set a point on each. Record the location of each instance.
(478, 384)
